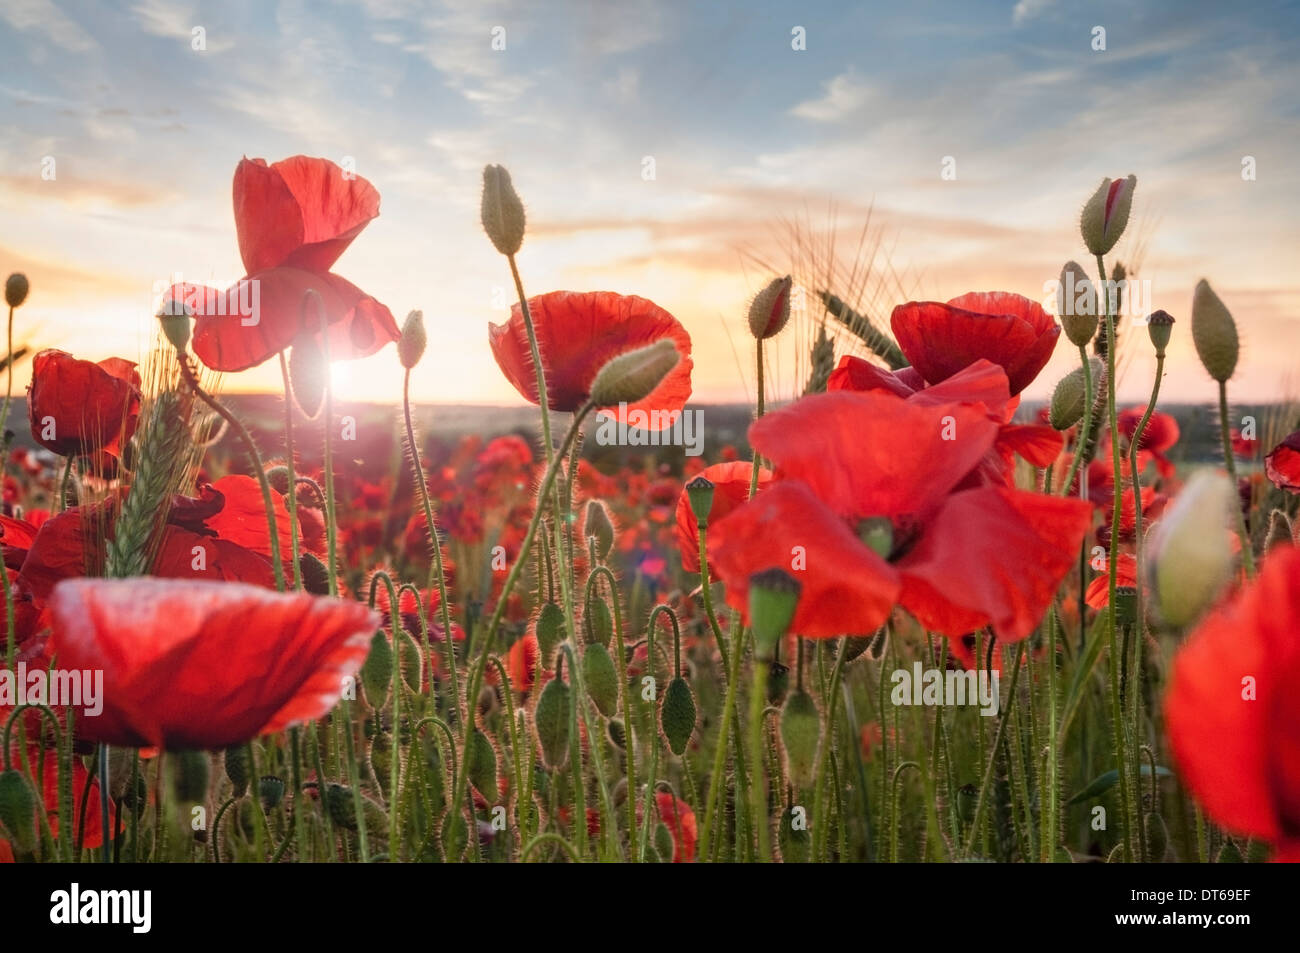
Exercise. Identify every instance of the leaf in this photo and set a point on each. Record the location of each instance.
(1104, 782)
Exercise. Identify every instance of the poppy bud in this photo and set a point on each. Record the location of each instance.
(278, 477)
(550, 631)
(699, 493)
(1106, 214)
(598, 527)
(236, 762)
(377, 672)
(1160, 326)
(271, 790)
(633, 376)
(855, 646)
(1157, 836)
(677, 715)
(600, 679)
(307, 375)
(193, 771)
(1214, 333)
(551, 719)
(770, 309)
(1279, 531)
(16, 288)
(665, 846)
(773, 598)
(1189, 560)
(174, 316)
(18, 808)
(801, 729)
(1229, 853)
(1076, 304)
(617, 732)
(315, 575)
(503, 213)
(597, 624)
(1066, 408)
(411, 345)
(341, 806)
(795, 841)
(481, 764)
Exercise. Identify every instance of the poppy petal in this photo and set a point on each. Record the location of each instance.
(1283, 464)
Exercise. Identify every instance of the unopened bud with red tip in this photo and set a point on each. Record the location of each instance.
(633, 376)
(773, 598)
(1160, 325)
(503, 212)
(770, 309)
(1214, 333)
(1106, 214)
(174, 316)
(1076, 304)
(16, 288)
(599, 527)
(699, 493)
(411, 345)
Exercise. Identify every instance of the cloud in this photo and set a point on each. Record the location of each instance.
(1028, 9)
(43, 17)
(844, 96)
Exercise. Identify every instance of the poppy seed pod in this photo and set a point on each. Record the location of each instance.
(411, 345)
(1076, 304)
(236, 764)
(773, 598)
(1106, 214)
(1214, 333)
(1189, 556)
(699, 492)
(1160, 325)
(770, 309)
(633, 376)
(16, 288)
(503, 212)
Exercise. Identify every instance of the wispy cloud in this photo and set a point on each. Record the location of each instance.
(843, 97)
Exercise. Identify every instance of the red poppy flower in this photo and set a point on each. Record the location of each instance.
(1233, 712)
(677, 816)
(1247, 448)
(294, 218)
(983, 382)
(886, 467)
(1158, 438)
(79, 407)
(577, 334)
(1283, 464)
(199, 665)
(1098, 594)
(1010, 330)
(730, 489)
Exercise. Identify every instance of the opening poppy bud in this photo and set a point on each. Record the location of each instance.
(1066, 408)
(677, 715)
(1160, 326)
(1280, 532)
(632, 377)
(1214, 333)
(600, 679)
(411, 345)
(503, 212)
(16, 288)
(1190, 560)
(699, 493)
(1106, 214)
(551, 719)
(174, 316)
(770, 309)
(1076, 304)
(193, 771)
(307, 373)
(801, 728)
(878, 533)
(18, 810)
(598, 526)
(773, 598)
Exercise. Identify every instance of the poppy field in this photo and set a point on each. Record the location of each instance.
(902, 617)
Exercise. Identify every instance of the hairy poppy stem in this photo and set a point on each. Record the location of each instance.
(11, 620)
(291, 499)
(1229, 461)
(977, 821)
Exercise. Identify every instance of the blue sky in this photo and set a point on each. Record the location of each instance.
(745, 132)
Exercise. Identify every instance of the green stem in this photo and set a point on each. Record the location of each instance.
(1247, 555)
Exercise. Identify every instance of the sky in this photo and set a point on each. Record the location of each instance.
(121, 125)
